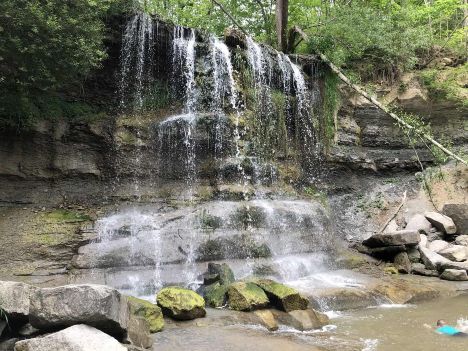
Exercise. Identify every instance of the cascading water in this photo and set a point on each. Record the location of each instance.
(169, 239)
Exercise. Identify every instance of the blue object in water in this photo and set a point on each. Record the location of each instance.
(447, 330)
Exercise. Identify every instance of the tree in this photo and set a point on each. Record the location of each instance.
(282, 8)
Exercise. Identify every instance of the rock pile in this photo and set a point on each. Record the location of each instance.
(432, 244)
(71, 314)
(286, 305)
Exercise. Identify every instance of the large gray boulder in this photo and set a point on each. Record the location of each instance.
(459, 214)
(14, 300)
(454, 274)
(419, 223)
(456, 253)
(97, 305)
(438, 245)
(402, 237)
(76, 338)
(441, 222)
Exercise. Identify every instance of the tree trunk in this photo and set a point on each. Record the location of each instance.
(282, 23)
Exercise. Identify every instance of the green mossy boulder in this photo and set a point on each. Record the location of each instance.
(246, 296)
(221, 272)
(282, 296)
(149, 311)
(215, 295)
(181, 304)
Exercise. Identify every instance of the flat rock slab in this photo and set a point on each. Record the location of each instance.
(76, 338)
(441, 222)
(456, 253)
(96, 305)
(438, 245)
(14, 300)
(454, 274)
(402, 237)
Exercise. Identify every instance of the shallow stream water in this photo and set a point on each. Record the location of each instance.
(382, 328)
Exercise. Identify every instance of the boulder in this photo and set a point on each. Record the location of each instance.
(447, 264)
(441, 222)
(456, 253)
(302, 319)
(181, 304)
(76, 338)
(462, 240)
(281, 296)
(8, 345)
(419, 223)
(438, 245)
(14, 300)
(267, 319)
(420, 269)
(402, 237)
(423, 240)
(223, 272)
(454, 274)
(246, 296)
(147, 310)
(96, 305)
(138, 333)
(414, 255)
(215, 295)
(402, 263)
(432, 260)
(459, 214)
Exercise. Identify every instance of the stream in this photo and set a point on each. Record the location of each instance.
(382, 328)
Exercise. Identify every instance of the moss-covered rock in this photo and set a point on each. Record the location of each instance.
(246, 296)
(181, 304)
(222, 272)
(215, 295)
(282, 296)
(149, 311)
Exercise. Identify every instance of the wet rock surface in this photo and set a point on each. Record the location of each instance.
(181, 304)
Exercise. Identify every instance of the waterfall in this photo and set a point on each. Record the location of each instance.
(136, 62)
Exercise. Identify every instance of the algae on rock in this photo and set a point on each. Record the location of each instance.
(246, 296)
(181, 304)
(149, 311)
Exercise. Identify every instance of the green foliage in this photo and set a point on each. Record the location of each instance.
(331, 100)
(449, 83)
(47, 46)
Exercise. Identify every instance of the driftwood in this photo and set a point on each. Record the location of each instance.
(394, 214)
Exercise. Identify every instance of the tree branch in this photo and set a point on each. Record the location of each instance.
(230, 17)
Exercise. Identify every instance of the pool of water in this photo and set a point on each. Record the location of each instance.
(382, 328)
(402, 327)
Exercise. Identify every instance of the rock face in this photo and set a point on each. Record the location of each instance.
(402, 237)
(246, 296)
(454, 274)
(441, 222)
(267, 319)
(432, 260)
(14, 300)
(147, 310)
(96, 305)
(419, 223)
(459, 214)
(181, 304)
(282, 296)
(76, 338)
